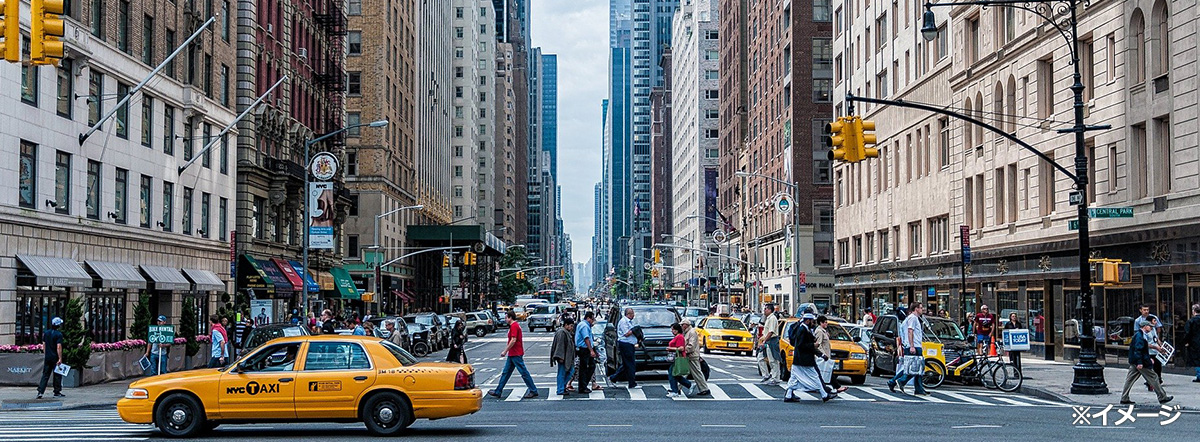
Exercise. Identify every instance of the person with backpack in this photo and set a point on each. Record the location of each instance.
(804, 375)
(769, 344)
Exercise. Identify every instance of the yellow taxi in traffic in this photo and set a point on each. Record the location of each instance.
(724, 333)
(306, 378)
(850, 358)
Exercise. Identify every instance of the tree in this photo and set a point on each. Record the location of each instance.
(141, 317)
(77, 345)
(510, 286)
(189, 317)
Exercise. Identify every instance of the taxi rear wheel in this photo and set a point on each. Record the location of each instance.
(387, 414)
(179, 415)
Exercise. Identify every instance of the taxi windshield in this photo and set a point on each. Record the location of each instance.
(724, 324)
(401, 356)
(838, 333)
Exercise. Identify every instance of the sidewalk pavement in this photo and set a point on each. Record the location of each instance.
(1052, 380)
(89, 396)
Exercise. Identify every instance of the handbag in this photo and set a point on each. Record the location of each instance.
(826, 367)
(681, 366)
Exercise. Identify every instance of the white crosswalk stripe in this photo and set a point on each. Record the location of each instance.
(59, 425)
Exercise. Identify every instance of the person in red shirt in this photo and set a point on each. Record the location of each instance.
(984, 320)
(515, 352)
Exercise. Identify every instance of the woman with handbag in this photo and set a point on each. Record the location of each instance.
(680, 367)
(458, 338)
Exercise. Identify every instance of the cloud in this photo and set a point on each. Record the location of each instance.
(577, 31)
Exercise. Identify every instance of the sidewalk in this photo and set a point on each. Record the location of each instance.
(1052, 380)
(89, 396)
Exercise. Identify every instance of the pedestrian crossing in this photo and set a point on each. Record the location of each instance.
(75, 425)
(750, 391)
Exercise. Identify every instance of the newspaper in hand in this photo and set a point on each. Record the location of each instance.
(62, 369)
(1166, 352)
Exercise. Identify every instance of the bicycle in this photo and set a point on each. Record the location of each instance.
(969, 368)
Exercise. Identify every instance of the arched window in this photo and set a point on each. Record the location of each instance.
(1137, 47)
(1010, 98)
(979, 116)
(1160, 40)
(968, 130)
(998, 116)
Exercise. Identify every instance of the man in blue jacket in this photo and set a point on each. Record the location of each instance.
(1141, 365)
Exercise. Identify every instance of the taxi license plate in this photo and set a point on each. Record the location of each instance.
(661, 358)
(731, 344)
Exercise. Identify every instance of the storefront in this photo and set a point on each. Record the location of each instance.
(261, 279)
(44, 284)
(108, 300)
(345, 296)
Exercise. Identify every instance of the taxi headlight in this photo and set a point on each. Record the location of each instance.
(859, 356)
(137, 393)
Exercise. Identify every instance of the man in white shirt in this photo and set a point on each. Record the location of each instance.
(770, 345)
(912, 334)
(626, 343)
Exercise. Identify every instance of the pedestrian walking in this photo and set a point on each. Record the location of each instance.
(869, 318)
(515, 354)
(600, 344)
(769, 344)
(328, 323)
(984, 320)
(458, 342)
(679, 369)
(821, 334)
(586, 352)
(804, 375)
(1139, 365)
(911, 336)
(357, 326)
(217, 339)
(562, 354)
(157, 353)
(52, 341)
(1191, 340)
(1013, 324)
(241, 331)
(1154, 346)
(695, 365)
(626, 343)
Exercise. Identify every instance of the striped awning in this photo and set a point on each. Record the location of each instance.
(204, 280)
(166, 278)
(117, 275)
(56, 272)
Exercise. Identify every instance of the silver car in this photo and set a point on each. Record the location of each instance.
(546, 316)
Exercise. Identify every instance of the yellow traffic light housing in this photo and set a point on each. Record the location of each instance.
(837, 141)
(1106, 272)
(10, 23)
(46, 31)
(445, 260)
(657, 256)
(866, 141)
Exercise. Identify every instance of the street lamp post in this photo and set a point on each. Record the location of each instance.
(1062, 15)
(795, 193)
(375, 246)
(307, 214)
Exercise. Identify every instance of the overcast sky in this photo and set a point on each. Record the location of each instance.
(576, 30)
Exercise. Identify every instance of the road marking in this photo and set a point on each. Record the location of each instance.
(887, 397)
(637, 394)
(596, 395)
(516, 394)
(491, 425)
(844, 426)
(1035, 399)
(852, 398)
(757, 392)
(965, 398)
(717, 392)
(1012, 401)
(610, 425)
(930, 398)
(722, 426)
(552, 395)
(964, 427)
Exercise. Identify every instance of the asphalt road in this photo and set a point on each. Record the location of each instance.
(740, 409)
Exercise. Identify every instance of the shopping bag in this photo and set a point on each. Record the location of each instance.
(826, 368)
(680, 367)
(914, 365)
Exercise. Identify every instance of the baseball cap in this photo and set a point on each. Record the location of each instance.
(57, 321)
(808, 316)
(685, 321)
(1141, 323)
(162, 318)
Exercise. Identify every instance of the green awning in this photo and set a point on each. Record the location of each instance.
(344, 284)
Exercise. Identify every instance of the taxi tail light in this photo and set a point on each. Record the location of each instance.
(463, 381)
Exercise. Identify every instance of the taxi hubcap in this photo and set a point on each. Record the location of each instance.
(178, 416)
(386, 414)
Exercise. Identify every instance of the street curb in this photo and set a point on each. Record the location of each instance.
(7, 409)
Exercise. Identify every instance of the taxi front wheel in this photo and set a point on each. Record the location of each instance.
(179, 415)
(387, 414)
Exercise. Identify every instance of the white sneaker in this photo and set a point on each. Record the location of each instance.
(672, 395)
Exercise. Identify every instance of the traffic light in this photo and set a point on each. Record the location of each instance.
(445, 260)
(657, 256)
(1111, 272)
(474, 257)
(521, 276)
(46, 31)
(10, 22)
(841, 140)
(866, 141)
(468, 258)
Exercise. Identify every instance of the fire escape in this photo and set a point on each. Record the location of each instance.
(329, 73)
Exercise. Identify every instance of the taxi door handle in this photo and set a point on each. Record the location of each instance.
(360, 378)
(285, 379)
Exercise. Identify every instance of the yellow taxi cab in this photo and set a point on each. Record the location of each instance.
(724, 333)
(850, 358)
(306, 378)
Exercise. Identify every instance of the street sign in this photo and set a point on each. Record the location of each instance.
(646, 265)
(803, 287)
(966, 255)
(1075, 198)
(161, 334)
(1072, 224)
(324, 166)
(784, 205)
(1110, 212)
(964, 234)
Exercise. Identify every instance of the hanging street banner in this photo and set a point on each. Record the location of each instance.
(320, 216)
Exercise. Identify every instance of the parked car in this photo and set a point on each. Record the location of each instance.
(480, 323)
(887, 327)
(263, 333)
(695, 314)
(401, 326)
(655, 322)
(439, 334)
(546, 316)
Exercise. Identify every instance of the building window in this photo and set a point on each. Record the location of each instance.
(353, 119)
(123, 26)
(208, 70)
(225, 21)
(354, 43)
(29, 77)
(822, 90)
(352, 246)
(145, 196)
(168, 130)
(353, 205)
(225, 154)
(98, 18)
(1045, 87)
(187, 211)
(66, 88)
(92, 204)
(711, 55)
(222, 218)
(944, 142)
(120, 196)
(169, 41)
(885, 249)
(351, 163)
(858, 250)
(354, 7)
(354, 83)
(206, 154)
(943, 43)
(147, 120)
(972, 37)
(939, 234)
(711, 94)
(1137, 47)
(711, 134)
(148, 40)
(914, 239)
(168, 206)
(122, 116)
(62, 182)
(257, 220)
(225, 85)
(188, 132)
(204, 215)
(27, 189)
